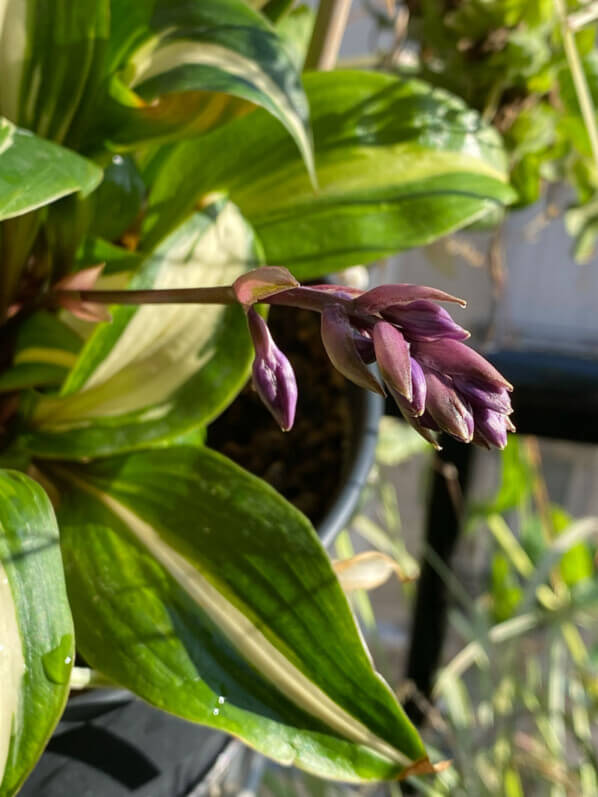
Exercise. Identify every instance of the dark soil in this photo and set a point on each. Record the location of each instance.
(306, 464)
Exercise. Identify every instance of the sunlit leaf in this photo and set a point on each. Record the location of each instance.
(156, 371)
(51, 61)
(35, 172)
(197, 586)
(36, 628)
(199, 51)
(398, 165)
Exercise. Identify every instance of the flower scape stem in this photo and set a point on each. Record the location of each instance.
(439, 383)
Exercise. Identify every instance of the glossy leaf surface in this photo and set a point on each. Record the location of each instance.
(157, 371)
(36, 628)
(118, 199)
(197, 586)
(398, 165)
(35, 172)
(200, 51)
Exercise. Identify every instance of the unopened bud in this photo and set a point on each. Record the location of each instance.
(337, 337)
(392, 356)
(450, 413)
(424, 320)
(273, 376)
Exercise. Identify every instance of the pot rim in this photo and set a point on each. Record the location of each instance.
(361, 460)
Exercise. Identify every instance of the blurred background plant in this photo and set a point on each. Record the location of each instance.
(516, 701)
(530, 67)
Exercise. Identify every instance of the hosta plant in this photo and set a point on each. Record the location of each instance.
(152, 152)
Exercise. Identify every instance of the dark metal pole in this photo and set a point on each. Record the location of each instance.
(555, 396)
(450, 476)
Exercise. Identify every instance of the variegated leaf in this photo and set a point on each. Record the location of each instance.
(45, 351)
(35, 172)
(156, 371)
(198, 587)
(36, 628)
(199, 52)
(398, 164)
(51, 61)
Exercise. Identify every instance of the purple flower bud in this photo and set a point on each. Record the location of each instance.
(337, 337)
(450, 413)
(490, 397)
(379, 299)
(424, 320)
(364, 345)
(392, 356)
(418, 381)
(412, 410)
(491, 428)
(273, 375)
(459, 361)
(439, 384)
(428, 422)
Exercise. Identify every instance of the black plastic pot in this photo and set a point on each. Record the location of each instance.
(109, 744)
(368, 409)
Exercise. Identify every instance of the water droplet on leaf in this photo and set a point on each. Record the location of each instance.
(57, 662)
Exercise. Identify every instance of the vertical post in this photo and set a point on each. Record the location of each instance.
(326, 39)
(443, 527)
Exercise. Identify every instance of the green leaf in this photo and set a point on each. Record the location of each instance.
(118, 200)
(581, 222)
(116, 259)
(163, 47)
(36, 628)
(198, 587)
(577, 563)
(45, 351)
(516, 482)
(398, 165)
(157, 371)
(295, 29)
(506, 591)
(35, 172)
(51, 61)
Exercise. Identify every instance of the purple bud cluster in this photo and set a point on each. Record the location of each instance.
(438, 383)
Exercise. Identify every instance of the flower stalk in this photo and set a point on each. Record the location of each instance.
(438, 383)
(212, 295)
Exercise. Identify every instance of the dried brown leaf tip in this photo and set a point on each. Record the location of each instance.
(425, 767)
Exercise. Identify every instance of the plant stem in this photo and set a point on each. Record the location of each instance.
(582, 90)
(218, 295)
(327, 35)
(304, 298)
